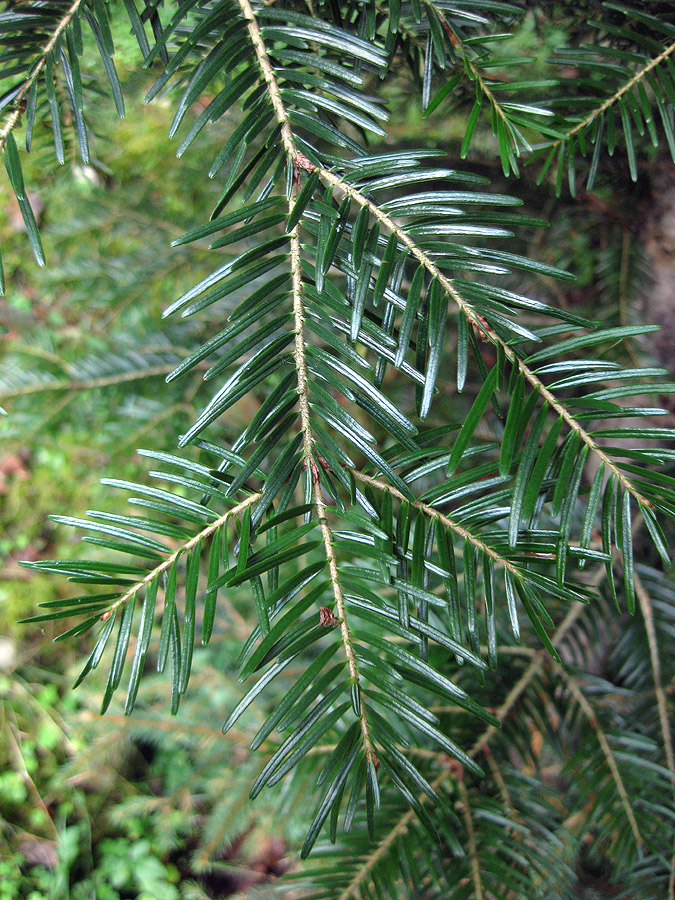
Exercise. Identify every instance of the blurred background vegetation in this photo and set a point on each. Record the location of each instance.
(151, 807)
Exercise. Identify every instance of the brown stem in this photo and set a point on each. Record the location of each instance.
(300, 355)
(471, 835)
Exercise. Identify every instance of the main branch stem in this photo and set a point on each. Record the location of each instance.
(300, 355)
(270, 78)
(314, 474)
(471, 835)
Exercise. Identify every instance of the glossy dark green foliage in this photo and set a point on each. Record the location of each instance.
(624, 92)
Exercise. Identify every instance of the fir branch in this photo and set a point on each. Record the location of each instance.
(479, 323)
(171, 726)
(589, 713)
(533, 670)
(15, 116)
(206, 851)
(185, 548)
(470, 65)
(77, 385)
(528, 676)
(638, 77)
(433, 513)
(498, 776)
(302, 304)
(648, 617)
(471, 836)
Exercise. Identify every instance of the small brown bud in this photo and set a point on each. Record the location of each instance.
(316, 474)
(480, 334)
(326, 617)
(302, 162)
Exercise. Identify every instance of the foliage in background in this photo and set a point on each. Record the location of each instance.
(375, 246)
